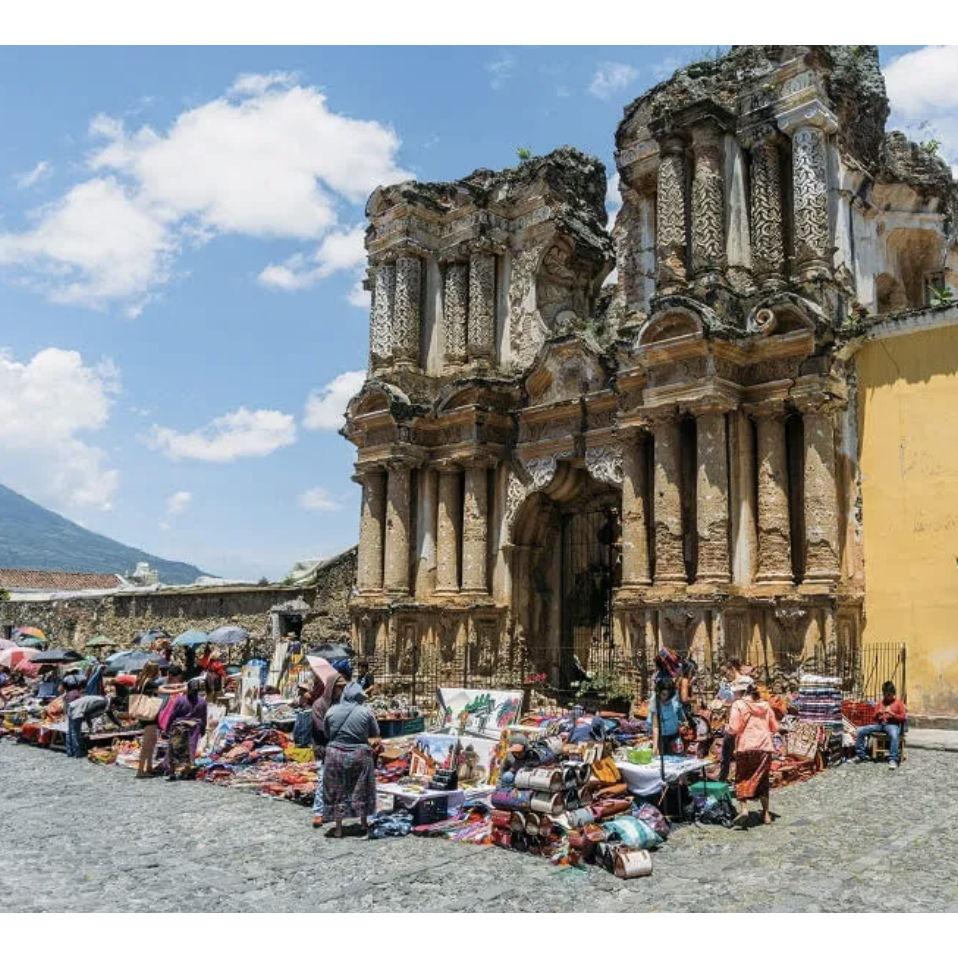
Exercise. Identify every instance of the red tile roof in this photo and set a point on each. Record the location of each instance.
(50, 581)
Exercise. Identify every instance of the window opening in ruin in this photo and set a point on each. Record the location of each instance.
(795, 461)
(590, 570)
(688, 467)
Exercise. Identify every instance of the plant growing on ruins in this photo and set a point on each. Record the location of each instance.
(524, 154)
(941, 296)
(932, 147)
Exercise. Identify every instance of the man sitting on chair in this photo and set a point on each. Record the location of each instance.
(890, 716)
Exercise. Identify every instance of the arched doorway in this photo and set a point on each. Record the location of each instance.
(566, 566)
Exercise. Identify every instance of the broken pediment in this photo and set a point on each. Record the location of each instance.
(565, 369)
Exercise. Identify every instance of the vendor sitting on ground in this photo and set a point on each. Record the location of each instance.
(890, 718)
(85, 709)
(665, 708)
(349, 769)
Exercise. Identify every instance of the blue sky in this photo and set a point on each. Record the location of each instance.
(180, 249)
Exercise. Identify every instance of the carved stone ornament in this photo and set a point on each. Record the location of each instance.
(380, 333)
(605, 464)
(455, 301)
(768, 252)
(708, 208)
(811, 194)
(763, 321)
(542, 471)
(670, 218)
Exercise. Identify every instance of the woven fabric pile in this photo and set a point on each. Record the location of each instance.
(819, 700)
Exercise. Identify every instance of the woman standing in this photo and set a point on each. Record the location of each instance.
(349, 780)
(666, 716)
(146, 684)
(325, 696)
(185, 724)
(753, 724)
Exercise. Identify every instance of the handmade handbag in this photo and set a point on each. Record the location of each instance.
(606, 771)
(144, 707)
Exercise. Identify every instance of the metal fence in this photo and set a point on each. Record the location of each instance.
(882, 662)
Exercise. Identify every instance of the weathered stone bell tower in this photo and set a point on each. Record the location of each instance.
(559, 474)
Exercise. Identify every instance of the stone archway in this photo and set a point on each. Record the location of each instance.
(566, 565)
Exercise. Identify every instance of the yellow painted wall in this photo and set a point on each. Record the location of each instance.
(908, 439)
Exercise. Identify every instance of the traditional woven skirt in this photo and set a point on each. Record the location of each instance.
(349, 783)
(752, 771)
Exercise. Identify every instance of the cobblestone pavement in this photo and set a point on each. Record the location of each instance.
(80, 837)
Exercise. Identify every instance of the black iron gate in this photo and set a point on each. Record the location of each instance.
(882, 662)
(589, 570)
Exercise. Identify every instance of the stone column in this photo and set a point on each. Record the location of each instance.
(482, 305)
(809, 126)
(821, 492)
(667, 508)
(475, 530)
(671, 231)
(407, 309)
(447, 531)
(765, 200)
(712, 512)
(635, 506)
(396, 572)
(426, 531)
(708, 204)
(774, 537)
(455, 311)
(381, 317)
(369, 574)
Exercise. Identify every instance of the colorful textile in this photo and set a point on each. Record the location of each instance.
(349, 783)
(752, 774)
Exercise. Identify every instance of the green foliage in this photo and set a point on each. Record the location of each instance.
(931, 147)
(941, 296)
(4, 595)
(524, 154)
(603, 686)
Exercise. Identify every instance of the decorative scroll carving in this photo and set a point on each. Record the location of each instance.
(768, 251)
(542, 471)
(516, 494)
(380, 327)
(670, 217)
(526, 332)
(605, 464)
(811, 194)
(455, 302)
(406, 309)
(482, 305)
(708, 205)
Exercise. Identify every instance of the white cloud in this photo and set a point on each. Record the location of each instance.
(341, 250)
(40, 172)
(500, 70)
(923, 91)
(325, 407)
(46, 405)
(610, 78)
(613, 199)
(178, 503)
(243, 433)
(268, 159)
(319, 499)
(95, 245)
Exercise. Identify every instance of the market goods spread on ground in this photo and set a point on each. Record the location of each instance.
(504, 768)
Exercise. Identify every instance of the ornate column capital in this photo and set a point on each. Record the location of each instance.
(771, 408)
(813, 113)
(708, 406)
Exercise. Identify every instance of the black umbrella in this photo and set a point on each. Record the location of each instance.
(131, 661)
(150, 636)
(57, 657)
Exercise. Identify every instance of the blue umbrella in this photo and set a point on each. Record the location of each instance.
(229, 635)
(132, 661)
(192, 637)
(150, 636)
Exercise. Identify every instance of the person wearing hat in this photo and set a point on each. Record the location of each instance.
(753, 724)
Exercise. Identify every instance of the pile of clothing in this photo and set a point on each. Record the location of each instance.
(819, 699)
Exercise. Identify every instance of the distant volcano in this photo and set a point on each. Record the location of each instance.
(32, 537)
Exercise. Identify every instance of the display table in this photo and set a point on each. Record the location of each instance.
(405, 797)
(645, 780)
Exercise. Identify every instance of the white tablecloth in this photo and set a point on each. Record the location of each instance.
(647, 779)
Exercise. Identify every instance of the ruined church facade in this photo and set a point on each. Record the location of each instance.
(564, 468)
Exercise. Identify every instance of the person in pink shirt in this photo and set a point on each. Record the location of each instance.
(753, 724)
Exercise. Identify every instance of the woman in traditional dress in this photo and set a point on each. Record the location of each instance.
(325, 695)
(185, 724)
(753, 724)
(349, 780)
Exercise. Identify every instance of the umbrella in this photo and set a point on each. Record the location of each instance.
(322, 668)
(7, 644)
(150, 636)
(11, 658)
(56, 657)
(29, 630)
(229, 635)
(31, 642)
(192, 637)
(132, 661)
(98, 642)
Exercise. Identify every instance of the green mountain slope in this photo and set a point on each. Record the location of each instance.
(32, 537)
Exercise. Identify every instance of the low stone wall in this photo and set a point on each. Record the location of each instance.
(120, 615)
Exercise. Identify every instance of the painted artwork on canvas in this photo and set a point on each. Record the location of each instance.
(482, 712)
(431, 752)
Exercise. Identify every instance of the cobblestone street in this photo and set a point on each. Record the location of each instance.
(80, 837)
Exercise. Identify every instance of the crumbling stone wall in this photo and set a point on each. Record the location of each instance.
(120, 615)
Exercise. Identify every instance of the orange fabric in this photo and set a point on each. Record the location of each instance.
(753, 724)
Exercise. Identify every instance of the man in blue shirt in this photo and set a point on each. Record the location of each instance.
(666, 708)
